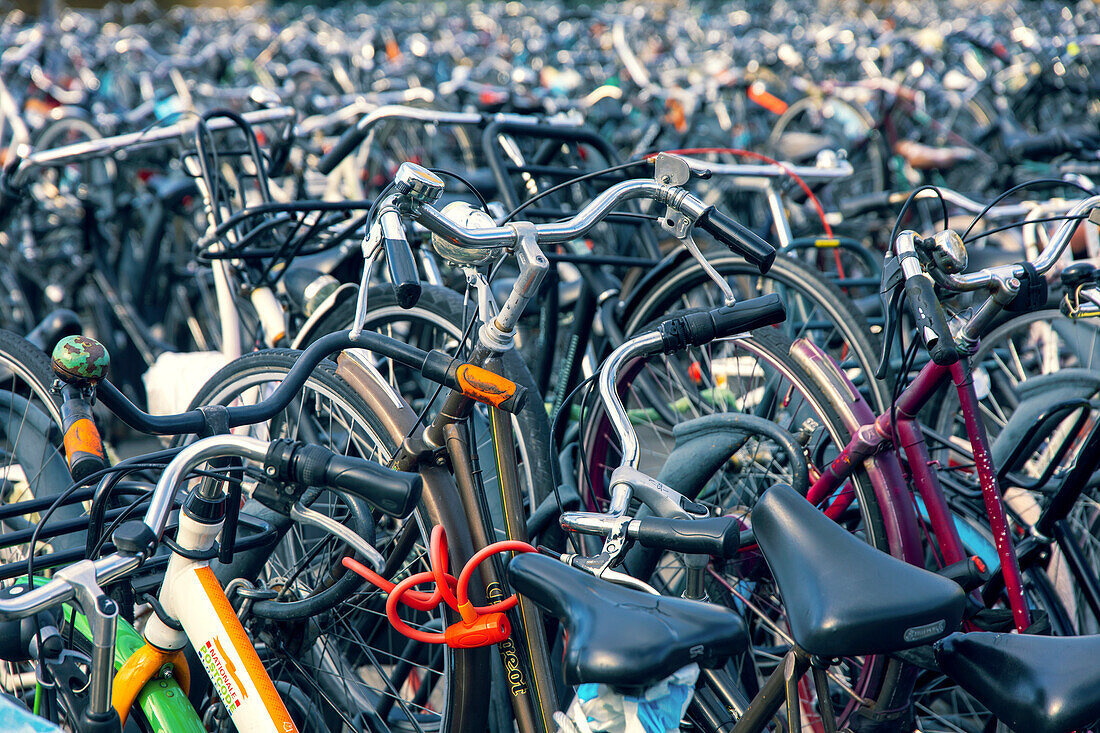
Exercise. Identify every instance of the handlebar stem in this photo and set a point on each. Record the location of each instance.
(201, 451)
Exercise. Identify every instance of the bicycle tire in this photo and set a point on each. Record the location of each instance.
(805, 292)
(34, 465)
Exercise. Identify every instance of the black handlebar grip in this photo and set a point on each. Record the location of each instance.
(931, 324)
(740, 240)
(344, 147)
(717, 536)
(696, 329)
(393, 492)
(1043, 146)
(402, 268)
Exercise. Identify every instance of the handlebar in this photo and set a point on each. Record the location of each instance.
(389, 490)
(433, 365)
(715, 536)
(738, 239)
(357, 133)
(1051, 253)
(920, 294)
(693, 329)
(696, 329)
(399, 260)
(139, 140)
(808, 173)
(395, 493)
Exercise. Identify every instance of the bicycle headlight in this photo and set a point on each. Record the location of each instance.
(468, 216)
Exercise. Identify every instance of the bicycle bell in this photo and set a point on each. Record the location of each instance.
(471, 217)
(418, 183)
(947, 251)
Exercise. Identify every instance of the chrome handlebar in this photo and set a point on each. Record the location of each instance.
(120, 564)
(137, 140)
(559, 232)
(976, 280)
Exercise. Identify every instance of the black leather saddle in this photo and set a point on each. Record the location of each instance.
(842, 596)
(1037, 684)
(624, 637)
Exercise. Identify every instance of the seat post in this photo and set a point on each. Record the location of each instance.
(824, 702)
(780, 687)
(791, 675)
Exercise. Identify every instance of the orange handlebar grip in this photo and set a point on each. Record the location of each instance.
(489, 388)
(83, 448)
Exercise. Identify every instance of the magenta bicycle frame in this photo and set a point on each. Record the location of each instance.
(872, 446)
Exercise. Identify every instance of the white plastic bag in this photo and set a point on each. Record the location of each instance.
(14, 718)
(599, 709)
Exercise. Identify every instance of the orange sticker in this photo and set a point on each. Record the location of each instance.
(238, 640)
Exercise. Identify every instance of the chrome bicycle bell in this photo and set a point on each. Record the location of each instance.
(471, 217)
(947, 250)
(419, 183)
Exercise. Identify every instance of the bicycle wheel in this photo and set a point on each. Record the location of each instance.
(816, 309)
(1021, 348)
(312, 620)
(33, 465)
(838, 125)
(438, 321)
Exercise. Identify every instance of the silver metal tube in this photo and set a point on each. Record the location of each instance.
(808, 173)
(969, 205)
(108, 569)
(216, 446)
(1042, 263)
(138, 140)
(646, 343)
(559, 232)
(305, 515)
(401, 112)
(779, 218)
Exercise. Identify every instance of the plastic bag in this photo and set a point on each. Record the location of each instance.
(14, 718)
(599, 709)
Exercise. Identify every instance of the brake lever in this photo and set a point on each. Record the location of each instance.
(372, 247)
(889, 295)
(689, 244)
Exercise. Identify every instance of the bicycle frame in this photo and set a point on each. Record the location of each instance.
(872, 444)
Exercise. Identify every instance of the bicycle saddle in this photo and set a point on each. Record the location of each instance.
(843, 597)
(927, 157)
(1039, 684)
(620, 636)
